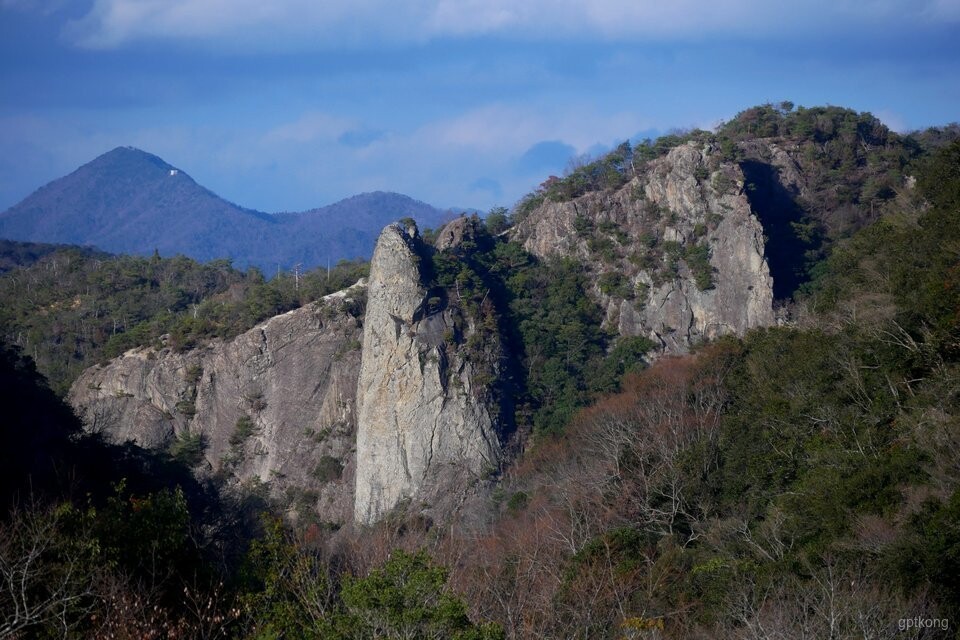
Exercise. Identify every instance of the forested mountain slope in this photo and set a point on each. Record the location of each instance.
(72, 308)
(792, 477)
(800, 479)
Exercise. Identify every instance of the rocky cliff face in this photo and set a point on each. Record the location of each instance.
(426, 427)
(293, 404)
(351, 421)
(274, 405)
(676, 253)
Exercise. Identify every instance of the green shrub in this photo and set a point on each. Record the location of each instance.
(697, 257)
(188, 447)
(615, 284)
(242, 431)
(722, 183)
(328, 469)
(583, 225)
(406, 598)
(193, 374)
(518, 501)
(498, 220)
(187, 407)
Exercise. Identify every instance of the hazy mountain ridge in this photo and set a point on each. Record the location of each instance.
(130, 201)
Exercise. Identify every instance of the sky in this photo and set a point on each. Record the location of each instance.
(287, 105)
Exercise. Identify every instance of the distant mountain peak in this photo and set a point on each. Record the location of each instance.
(128, 200)
(128, 151)
(133, 157)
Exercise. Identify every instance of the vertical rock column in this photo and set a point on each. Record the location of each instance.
(422, 432)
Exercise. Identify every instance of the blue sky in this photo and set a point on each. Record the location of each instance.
(291, 104)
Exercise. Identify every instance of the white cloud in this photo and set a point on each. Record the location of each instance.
(441, 161)
(240, 24)
(43, 7)
(307, 24)
(893, 120)
(945, 10)
(302, 162)
(510, 129)
(310, 127)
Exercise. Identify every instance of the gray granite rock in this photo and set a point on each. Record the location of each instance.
(274, 405)
(641, 235)
(425, 432)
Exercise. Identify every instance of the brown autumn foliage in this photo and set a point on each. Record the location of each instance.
(604, 511)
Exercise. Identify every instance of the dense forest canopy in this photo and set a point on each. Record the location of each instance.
(70, 308)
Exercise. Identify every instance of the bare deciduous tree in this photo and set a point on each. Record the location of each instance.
(45, 576)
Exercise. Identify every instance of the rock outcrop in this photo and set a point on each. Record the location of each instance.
(274, 405)
(350, 419)
(426, 428)
(292, 403)
(676, 253)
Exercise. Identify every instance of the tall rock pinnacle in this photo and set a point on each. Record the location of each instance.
(423, 429)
